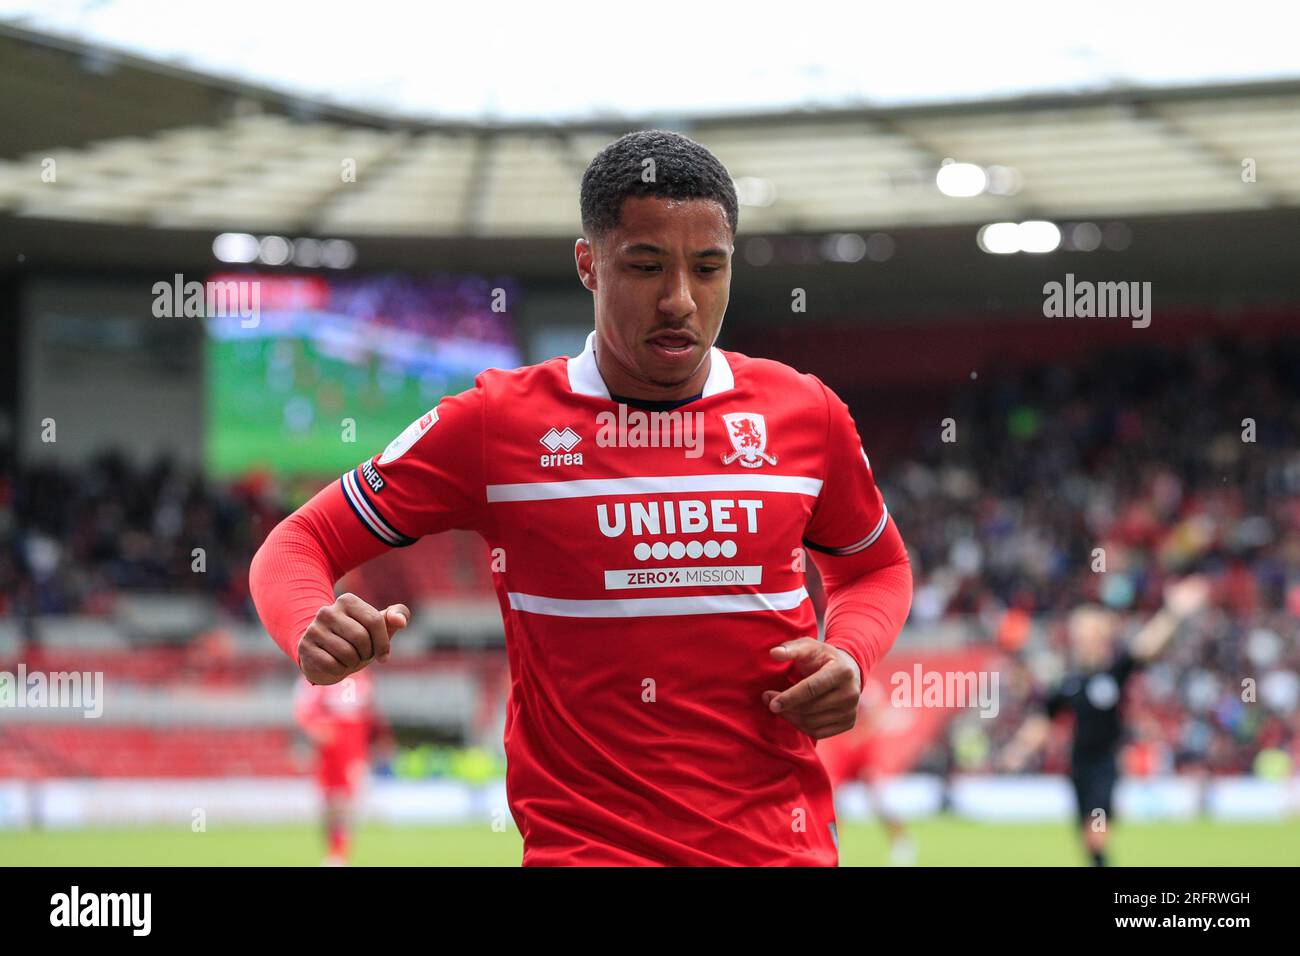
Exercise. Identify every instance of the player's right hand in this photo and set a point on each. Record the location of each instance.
(346, 636)
(1188, 596)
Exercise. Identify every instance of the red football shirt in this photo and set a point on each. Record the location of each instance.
(646, 563)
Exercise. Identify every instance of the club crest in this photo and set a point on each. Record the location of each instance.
(748, 434)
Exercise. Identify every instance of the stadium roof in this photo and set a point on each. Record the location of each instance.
(151, 145)
(520, 60)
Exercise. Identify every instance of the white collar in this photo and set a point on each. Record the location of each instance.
(584, 375)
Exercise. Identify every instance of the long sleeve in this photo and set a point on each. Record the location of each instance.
(424, 482)
(869, 595)
(293, 573)
(857, 548)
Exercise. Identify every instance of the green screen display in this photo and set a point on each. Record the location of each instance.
(328, 372)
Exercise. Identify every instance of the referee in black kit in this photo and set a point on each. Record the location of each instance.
(1091, 690)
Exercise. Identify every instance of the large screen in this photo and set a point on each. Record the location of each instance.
(331, 370)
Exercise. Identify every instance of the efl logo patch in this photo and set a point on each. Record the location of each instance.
(748, 434)
(400, 445)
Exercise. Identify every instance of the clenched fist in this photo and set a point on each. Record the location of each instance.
(346, 636)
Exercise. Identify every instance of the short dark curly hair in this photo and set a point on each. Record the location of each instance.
(683, 169)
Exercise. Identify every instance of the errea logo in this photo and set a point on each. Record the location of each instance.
(555, 440)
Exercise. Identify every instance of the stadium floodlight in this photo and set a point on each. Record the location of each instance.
(307, 253)
(999, 238)
(235, 247)
(961, 180)
(1039, 235)
(880, 247)
(1003, 180)
(1085, 237)
(274, 250)
(1004, 238)
(844, 247)
(851, 247)
(337, 254)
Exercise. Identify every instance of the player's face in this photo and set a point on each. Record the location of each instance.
(661, 280)
(1091, 632)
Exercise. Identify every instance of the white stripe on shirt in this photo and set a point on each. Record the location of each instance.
(658, 606)
(654, 485)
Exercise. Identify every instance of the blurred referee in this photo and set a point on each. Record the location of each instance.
(1091, 691)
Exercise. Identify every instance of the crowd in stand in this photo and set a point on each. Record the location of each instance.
(74, 540)
(1100, 483)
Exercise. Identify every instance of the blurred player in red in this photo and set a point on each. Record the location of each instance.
(341, 720)
(855, 755)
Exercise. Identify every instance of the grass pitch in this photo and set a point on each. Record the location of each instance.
(940, 842)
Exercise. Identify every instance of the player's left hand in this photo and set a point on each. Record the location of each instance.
(825, 702)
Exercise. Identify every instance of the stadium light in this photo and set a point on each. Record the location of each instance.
(235, 247)
(1005, 238)
(307, 253)
(274, 250)
(1085, 237)
(338, 254)
(999, 238)
(961, 180)
(1039, 235)
(880, 247)
(1004, 180)
(844, 247)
